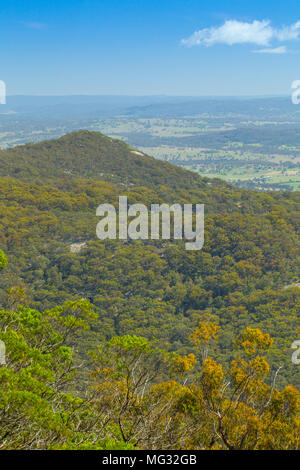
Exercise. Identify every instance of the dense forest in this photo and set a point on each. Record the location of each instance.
(141, 344)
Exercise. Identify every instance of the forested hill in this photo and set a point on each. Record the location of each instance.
(246, 274)
(92, 155)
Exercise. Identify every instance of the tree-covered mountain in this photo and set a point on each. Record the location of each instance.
(247, 273)
(90, 155)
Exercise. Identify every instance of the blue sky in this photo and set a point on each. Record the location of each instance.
(146, 47)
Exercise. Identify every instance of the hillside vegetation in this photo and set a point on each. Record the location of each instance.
(200, 307)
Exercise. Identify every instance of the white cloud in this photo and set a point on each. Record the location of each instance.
(233, 32)
(287, 33)
(275, 50)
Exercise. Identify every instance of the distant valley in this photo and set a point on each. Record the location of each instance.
(252, 143)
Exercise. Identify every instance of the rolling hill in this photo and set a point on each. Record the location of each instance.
(246, 274)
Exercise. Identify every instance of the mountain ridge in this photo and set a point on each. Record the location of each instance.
(89, 154)
(153, 288)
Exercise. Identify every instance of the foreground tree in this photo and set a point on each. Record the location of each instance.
(138, 396)
(240, 408)
(130, 395)
(39, 406)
